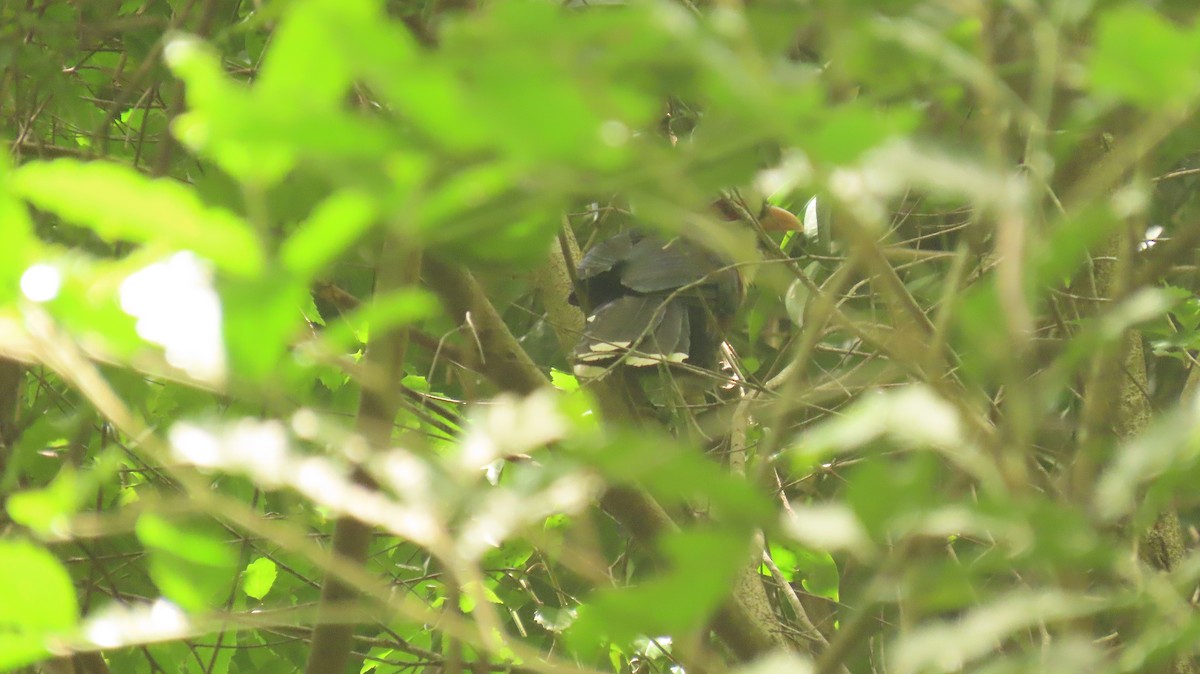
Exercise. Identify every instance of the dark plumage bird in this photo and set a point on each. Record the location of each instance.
(654, 301)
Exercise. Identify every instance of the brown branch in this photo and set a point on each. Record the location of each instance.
(377, 408)
(501, 358)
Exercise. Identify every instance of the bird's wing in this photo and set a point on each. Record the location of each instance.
(607, 254)
(653, 266)
(650, 328)
(668, 342)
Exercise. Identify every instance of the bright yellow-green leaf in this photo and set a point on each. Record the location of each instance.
(563, 381)
(43, 509)
(35, 590)
(258, 577)
(302, 66)
(37, 600)
(199, 544)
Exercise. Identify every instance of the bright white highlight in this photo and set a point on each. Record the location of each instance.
(259, 448)
(262, 450)
(812, 227)
(119, 625)
(178, 309)
(41, 282)
(504, 512)
(512, 426)
(180, 48)
(794, 170)
(1151, 237)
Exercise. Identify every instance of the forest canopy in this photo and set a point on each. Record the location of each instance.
(634, 336)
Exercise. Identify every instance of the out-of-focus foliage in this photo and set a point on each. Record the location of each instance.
(962, 428)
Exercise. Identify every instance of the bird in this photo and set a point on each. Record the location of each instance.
(653, 302)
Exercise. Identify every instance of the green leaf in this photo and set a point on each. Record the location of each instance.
(820, 573)
(554, 619)
(120, 204)
(853, 129)
(194, 542)
(190, 562)
(16, 233)
(784, 559)
(563, 381)
(260, 319)
(383, 313)
(37, 600)
(216, 104)
(675, 473)
(333, 226)
(1141, 57)
(914, 416)
(467, 598)
(703, 565)
(45, 510)
(883, 490)
(258, 577)
(303, 65)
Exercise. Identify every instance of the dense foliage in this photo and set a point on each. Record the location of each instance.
(291, 276)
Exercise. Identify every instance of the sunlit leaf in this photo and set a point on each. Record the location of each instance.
(258, 577)
(45, 510)
(37, 600)
(554, 619)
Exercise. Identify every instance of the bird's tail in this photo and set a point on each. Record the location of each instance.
(636, 330)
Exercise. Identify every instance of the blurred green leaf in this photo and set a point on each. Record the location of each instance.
(37, 602)
(702, 570)
(16, 233)
(47, 510)
(120, 204)
(383, 313)
(563, 381)
(260, 319)
(191, 541)
(852, 129)
(190, 562)
(1141, 57)
(467, 599)
(820, 573)
(332, 227)
(303, 65)
(675, 473)
(882, 490)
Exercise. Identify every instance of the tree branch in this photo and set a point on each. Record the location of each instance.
(377, 408)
